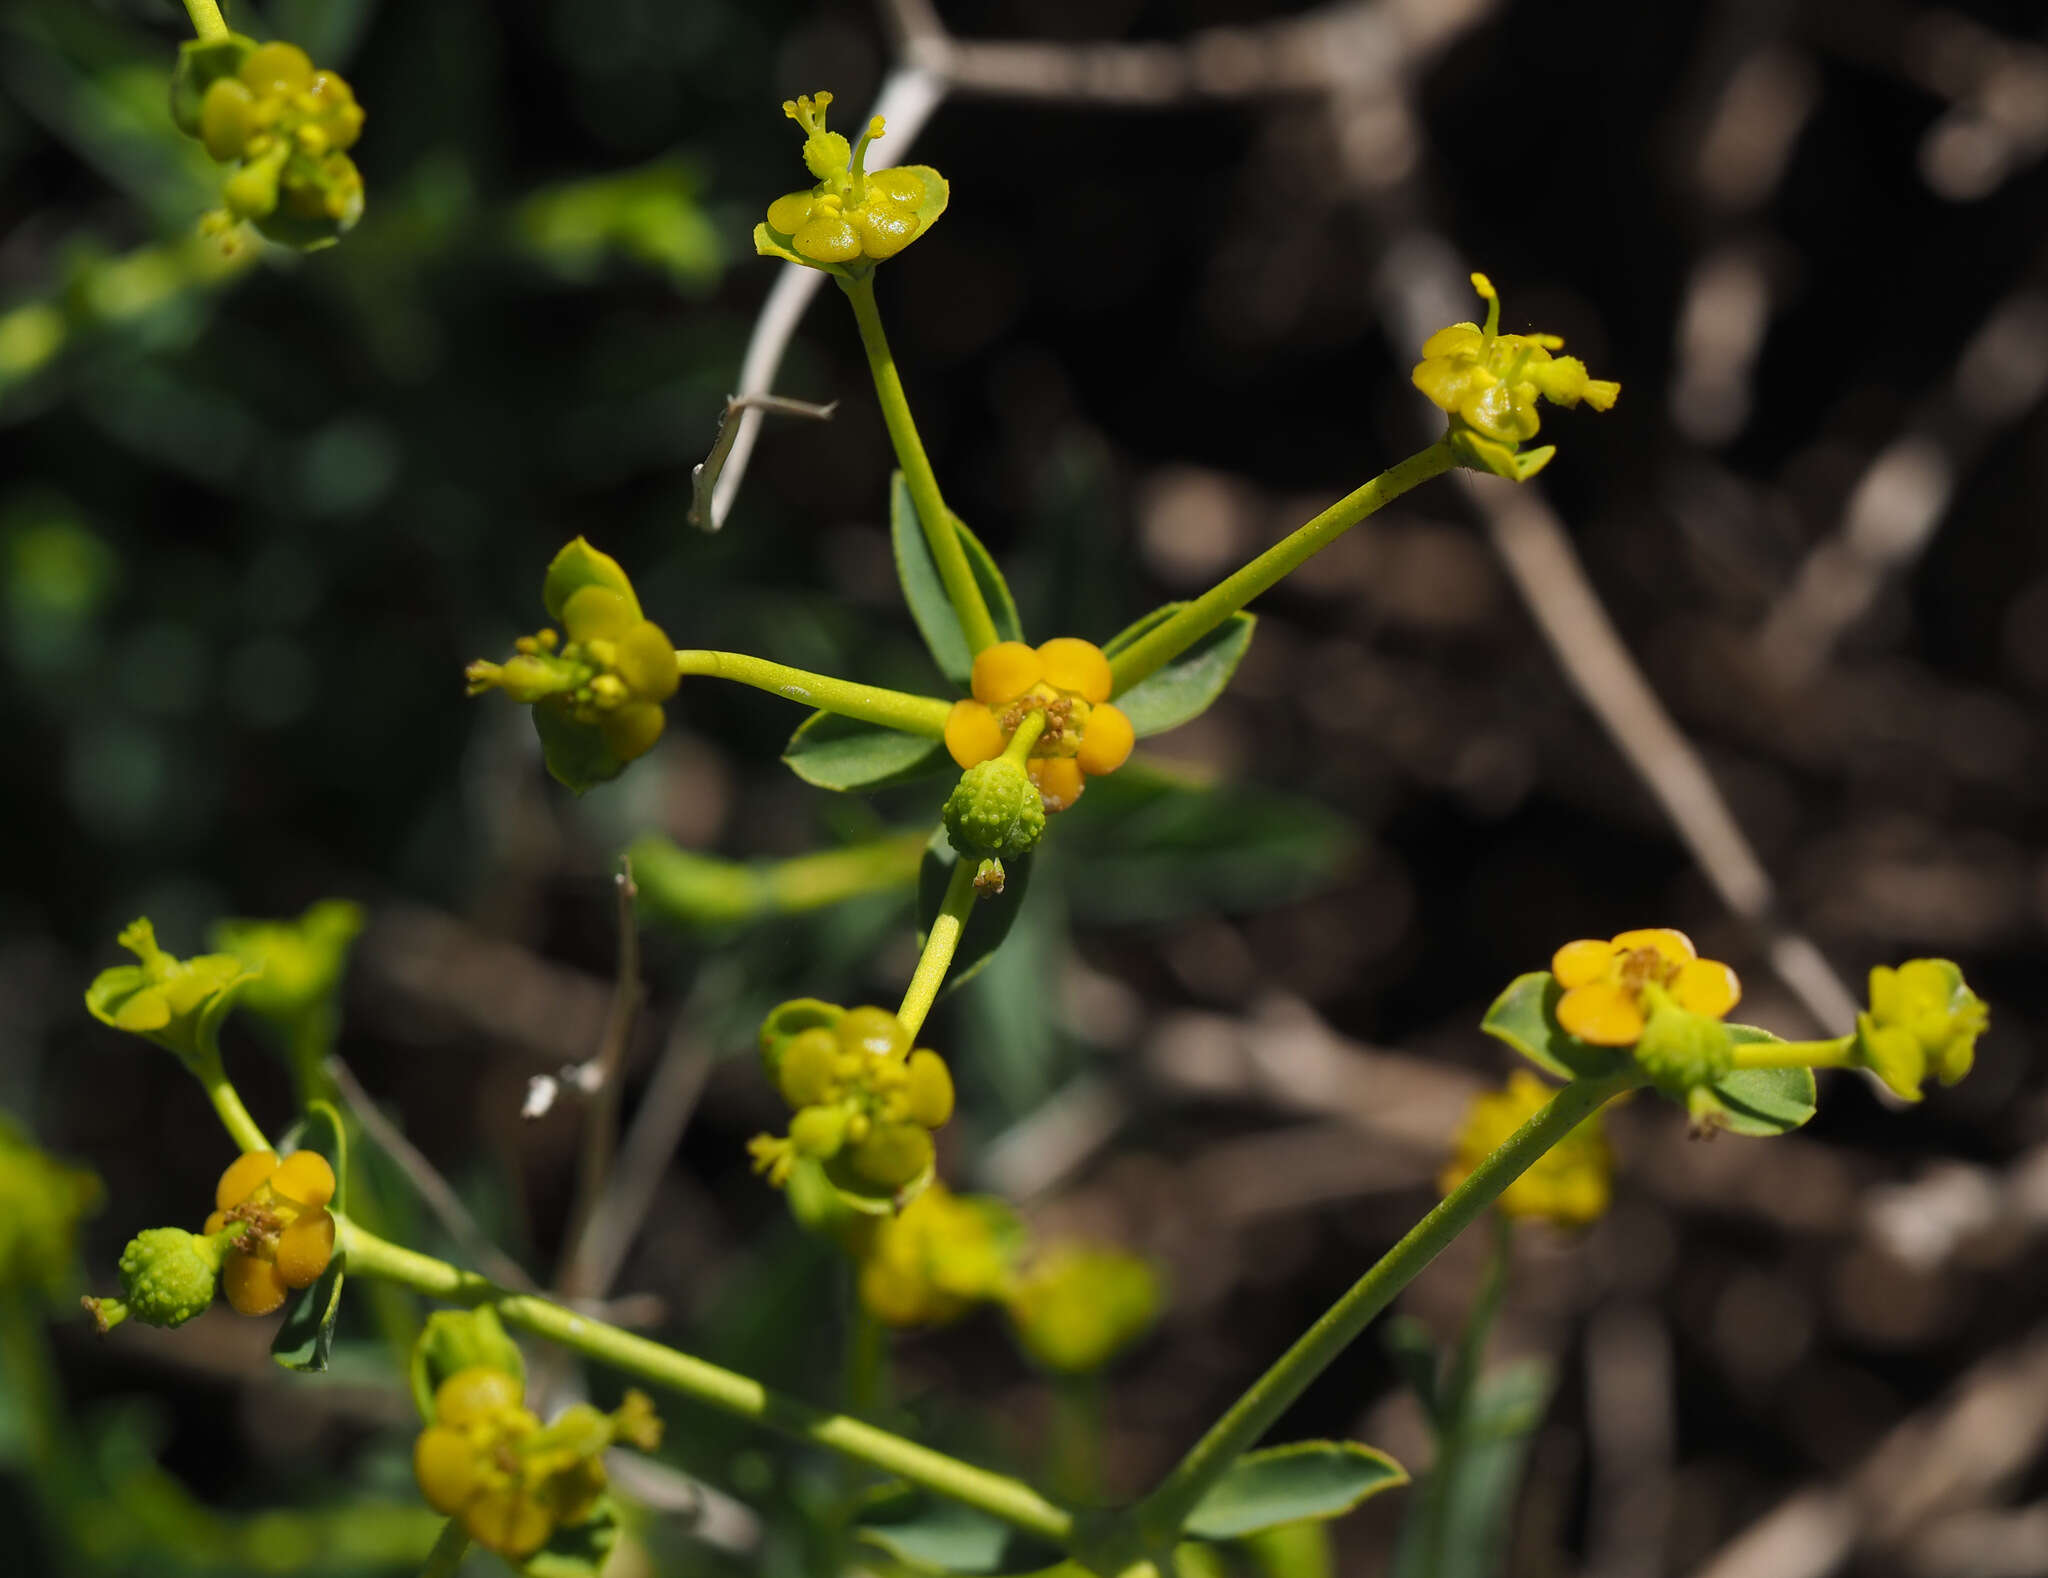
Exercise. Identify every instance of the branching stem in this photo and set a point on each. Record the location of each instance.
(893, 709)
(1192, 621)
(962, 589)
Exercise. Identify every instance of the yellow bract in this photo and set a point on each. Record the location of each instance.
(285, 1231)
(1568, 1185)
(1604, 983)
(1066, 678)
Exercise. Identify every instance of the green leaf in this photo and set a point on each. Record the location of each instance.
(931, 1534)
(1309, 1479)
(988, 923)
(1188, 686)
(1761, 1102)
(1525, 1017)
(202, 63)
(1292, 1550)
(845, 753)
(578, 1551)
(925, 591)
(306, 1336)
(1465, 1513)
(1156, 846)
(579, 565)
(576, 753)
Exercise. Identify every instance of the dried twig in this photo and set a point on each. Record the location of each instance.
(704, 475)
(601, 1115)
(435, 1192)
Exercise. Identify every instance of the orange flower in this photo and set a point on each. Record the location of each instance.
(1604, 983)
(1069, 680)
(287, 1232)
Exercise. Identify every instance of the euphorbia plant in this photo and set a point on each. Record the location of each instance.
(1020, 727)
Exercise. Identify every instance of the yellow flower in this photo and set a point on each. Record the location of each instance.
(285, 1233)
(1489, 384)
(1080, 1305)
(597, 695)
(939, 1257)
(1069, 681)
(285, 127)
(488, 1462)
(862, 1102)
(1606, 984)
(853, 218)
(167, 999)
(1922, 1020)
(1568, 1185)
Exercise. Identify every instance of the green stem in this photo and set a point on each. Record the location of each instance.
(207, 21)
(939, 947)
(961, 587)
(1000, 1496)
(809, 882)
(1453, 1436)
(893, 709)
(1192, 621)
(1839, 1053)
(1161, 1514)
(446, 1556)
(227, 1102)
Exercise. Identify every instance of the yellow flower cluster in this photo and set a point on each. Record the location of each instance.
(488, 1462)
(1568, 1185)
(610, 676)
(852, 216)
(1489, 384)
(1608, 985)
(862, 1102)
(1922, 1020)
(283, 1233)
(286, 128)
(937, 1258)
(1069, 681)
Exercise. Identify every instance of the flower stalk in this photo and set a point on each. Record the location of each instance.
(893, 709)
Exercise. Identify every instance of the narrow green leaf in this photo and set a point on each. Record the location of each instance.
(930, 1534)
(1761, 1102)
(925, 592)
(845, 753)
(1525, 1017)
(988, 923)
(1309, 1479)
(1457, 1524)
(1188, 686)
(306, 1336)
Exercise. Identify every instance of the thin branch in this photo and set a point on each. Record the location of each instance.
(657, 1128)
(908, 98)
(704, 475)
(435, 1192)
(601, 1115)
